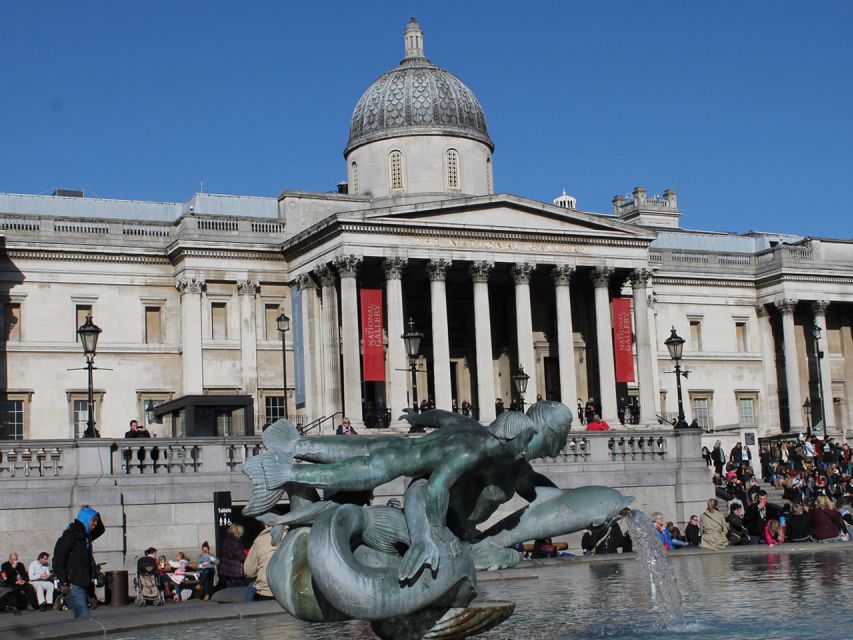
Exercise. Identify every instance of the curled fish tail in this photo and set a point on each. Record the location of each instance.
(262, 500)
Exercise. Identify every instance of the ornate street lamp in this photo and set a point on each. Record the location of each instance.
(520, 379)
(283, 323)
(675, 345)
(88, 333)
(807, 410)
(818, 355)
(412, 339)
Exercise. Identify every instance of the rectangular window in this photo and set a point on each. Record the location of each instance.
(80, 417)
(11, 419)
(695, 335)
(271, 313)
(273, 408)
(740, 336)
(78, 406)
(746, 410)
(12, 322)
(218, 321)
(81, 312)
(702, 412)
(153, 333)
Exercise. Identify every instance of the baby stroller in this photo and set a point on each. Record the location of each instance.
(147, 583)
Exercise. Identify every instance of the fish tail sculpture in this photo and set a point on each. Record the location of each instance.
(270, 471)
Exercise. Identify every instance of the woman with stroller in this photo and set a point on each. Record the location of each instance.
(206, 571)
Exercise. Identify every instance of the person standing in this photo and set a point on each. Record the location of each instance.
(233, 556)
(136, 431)
(74, 562)
(713, 528)
(719, 458)
(256, 566)
(499, 406)
(41, 577)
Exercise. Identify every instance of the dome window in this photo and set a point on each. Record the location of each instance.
(452, 169)
(354, 179)
(489, 180)
(395, 166)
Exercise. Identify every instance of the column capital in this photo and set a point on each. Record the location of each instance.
(819, 307)
(601, 276)
(786, 306)
(248, 287)
(640, 277)
(562, 274)
(305, 281)
(521, 272)
(761, 310)
(325, 275)
(393, 267)
(437, 269)
(347, 266)
(190, 285)
(480, 270)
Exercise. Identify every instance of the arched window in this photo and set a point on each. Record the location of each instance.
(395, 165)
(355, 178)
(452, 169)
(489, 182)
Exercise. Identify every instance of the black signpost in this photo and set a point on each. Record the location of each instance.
(221, 517)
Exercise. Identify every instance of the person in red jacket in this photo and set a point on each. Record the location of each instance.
(597, 424)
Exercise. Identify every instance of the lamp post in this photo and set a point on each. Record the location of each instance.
(88, 333)
(675, 345)
(412, 340)
(520, 379)
(283, 323)
(807, 410)
(818, 355)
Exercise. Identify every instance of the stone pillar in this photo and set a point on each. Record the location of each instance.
(656, 346)
(819, 308)
(645, 356)
(604, 339)
(347, 267)
(768, 360)
(313, 352)
(331, 342)
(437, 270)
(191, 355)
(397, 359)
(524, 327)
(247, 290)
(792, 370)
(483, 334)
(562, 275)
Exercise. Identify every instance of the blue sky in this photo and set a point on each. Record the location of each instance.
(743, 107)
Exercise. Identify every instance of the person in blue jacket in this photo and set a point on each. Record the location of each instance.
(73, 560)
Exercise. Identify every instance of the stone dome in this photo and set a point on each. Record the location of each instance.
(417, 98)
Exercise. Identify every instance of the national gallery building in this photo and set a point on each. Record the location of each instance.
(190, 297)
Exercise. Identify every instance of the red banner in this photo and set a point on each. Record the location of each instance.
(373, 350)
(623, 340)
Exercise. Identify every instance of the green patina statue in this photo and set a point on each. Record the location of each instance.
(412, 570)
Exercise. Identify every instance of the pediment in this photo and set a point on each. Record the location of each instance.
(510, 213)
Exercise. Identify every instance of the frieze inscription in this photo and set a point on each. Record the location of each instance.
(499, 245)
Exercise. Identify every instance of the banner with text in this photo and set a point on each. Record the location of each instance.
(298, 346)
(371, 335)
(623, 340)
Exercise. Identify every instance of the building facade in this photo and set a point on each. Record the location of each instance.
(188, 294)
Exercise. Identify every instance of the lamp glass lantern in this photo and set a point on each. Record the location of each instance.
(675, 345)
(412, 339)
(521, 379)
(283, 323)
(89, 333)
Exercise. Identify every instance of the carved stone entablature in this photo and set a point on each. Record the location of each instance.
(248, 287)
(819, 307)
(760, 310)
(305, 281)
(601, 276)
(190, 285)
(521, 272)
(347, 266)
(786, 306)
(437, 269)
(640, 277)
(325, 275)
(393, 267)
(480, 270)
(562, 274)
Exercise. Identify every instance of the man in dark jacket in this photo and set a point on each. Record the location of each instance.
(73, 561)
(757, 515)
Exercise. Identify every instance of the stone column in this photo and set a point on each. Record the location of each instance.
(562, 275)
(191, 355)
(645, 356)
(247, 290)
(604, 339)
(483, 334)
(768, 361)
(819, 308)
(524, 327)
(656, 346)
(397, 359)
(347, 267)
(792, 370)
(331, 342)
(437, 270)
(311, 319)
